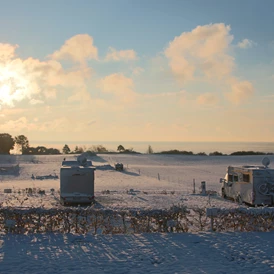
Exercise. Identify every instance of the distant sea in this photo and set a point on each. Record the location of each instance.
(195, 147)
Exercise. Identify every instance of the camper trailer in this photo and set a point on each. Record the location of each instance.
(253, 185)
(77, 182)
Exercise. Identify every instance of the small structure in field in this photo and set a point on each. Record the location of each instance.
(119, 166)
(7, 190)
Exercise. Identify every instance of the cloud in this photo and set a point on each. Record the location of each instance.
(78, 48)
(165, 94)
(137, 71)
(204, 50)
(31, 78)
(179, 126)
(7, 51)
(118, 85)
(17, 125)
(15, 83)
(91, 123)
(240, 91)
(36, 102)
(81, 95)
(50, 93)
(245, 44)
(207, 99)
(121, 55)
(148, 125)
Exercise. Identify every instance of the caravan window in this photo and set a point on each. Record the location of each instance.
(233, 178)
(246, 178)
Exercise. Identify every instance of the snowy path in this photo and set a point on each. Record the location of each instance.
(146, 253)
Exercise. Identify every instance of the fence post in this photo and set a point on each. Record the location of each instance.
(158, 176)
(203, 188)
(194, 186)
(211, 212)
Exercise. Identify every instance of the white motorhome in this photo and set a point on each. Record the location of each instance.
(77, 182)
(253, 185)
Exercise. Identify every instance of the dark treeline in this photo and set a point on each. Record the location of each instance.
(7, 143)
(40, 150)
(215, 153)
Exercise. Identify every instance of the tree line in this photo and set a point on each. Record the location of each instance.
(7, 143)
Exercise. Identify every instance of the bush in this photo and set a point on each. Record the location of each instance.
(175, 151)
(249, 153)
(216, 153)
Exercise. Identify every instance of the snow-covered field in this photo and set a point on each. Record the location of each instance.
(149, 181)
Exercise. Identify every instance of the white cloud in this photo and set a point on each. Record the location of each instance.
(166, 94)
(50, 93)
(82, 95)
(240, 91)
(207, 99)
(78, 48)
(118, 85)
(7, 51)
(36, 102)
(17, 125)
(245, 44)
(31, 78)
(204, 50)
(121, 55)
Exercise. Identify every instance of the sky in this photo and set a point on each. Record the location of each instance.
(178, 70)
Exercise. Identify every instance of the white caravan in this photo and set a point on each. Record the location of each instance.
(77, 182)
(253, 185)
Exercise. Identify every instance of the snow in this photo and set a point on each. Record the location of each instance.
(138, 187)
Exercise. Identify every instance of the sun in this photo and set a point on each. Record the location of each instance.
(5, 94)
(11, 86)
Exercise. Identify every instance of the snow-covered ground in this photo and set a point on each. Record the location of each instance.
(149, 181)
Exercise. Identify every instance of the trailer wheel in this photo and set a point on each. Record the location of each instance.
(223, 193)
(239, 199)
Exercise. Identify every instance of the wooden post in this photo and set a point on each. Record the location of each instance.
(211, 223)
(158, 176)
(194, 191)
(203, 188)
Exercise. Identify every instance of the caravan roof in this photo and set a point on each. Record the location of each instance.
(75, 163)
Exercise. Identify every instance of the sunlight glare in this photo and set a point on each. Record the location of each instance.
(12, 86)
(5, 96)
